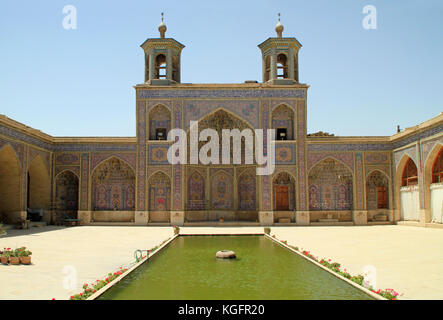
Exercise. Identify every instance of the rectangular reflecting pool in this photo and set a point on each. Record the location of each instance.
(188, 269)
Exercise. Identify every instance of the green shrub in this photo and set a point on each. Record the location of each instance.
(358, 279)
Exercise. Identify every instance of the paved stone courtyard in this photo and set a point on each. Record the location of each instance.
(407, 259)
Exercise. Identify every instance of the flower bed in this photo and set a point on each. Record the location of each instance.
(389, 294)
(89, 290)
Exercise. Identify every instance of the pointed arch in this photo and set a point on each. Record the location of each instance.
(282, 120)
(218, 120)
(159, 190)
(116, 156)
(113, 186)
(282, 66)
(329, 157)
(160, 66)
(410, 174)
(64, 170)
(159, 120)
(377, 190)
(243, 123)
(433, 184)
(283, 188)
(39, 186)
(10, 186)
(407, 197)
(67, 192)
(330, 186)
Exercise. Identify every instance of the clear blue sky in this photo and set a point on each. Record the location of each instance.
(79, 82)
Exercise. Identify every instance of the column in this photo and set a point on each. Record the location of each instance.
(169, 64)
(151, 65)
(273, 74)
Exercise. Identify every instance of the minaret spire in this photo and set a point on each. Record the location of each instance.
(162, 27)
(279, 27)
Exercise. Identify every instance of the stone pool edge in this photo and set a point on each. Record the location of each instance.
(366, 291)
(135, 266)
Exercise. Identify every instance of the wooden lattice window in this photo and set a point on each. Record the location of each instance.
(410, 176)
(437, 168)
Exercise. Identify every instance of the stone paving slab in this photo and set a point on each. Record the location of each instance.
(93, 252)
(407, 259)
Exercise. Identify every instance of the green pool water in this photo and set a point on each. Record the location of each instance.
(187, 269)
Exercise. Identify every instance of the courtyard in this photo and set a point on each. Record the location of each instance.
(406, 258)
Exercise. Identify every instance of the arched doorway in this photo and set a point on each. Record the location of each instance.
(409, 193)
(38, 191)
(377, 194)
(330, 186)
(330, 189)
(283, 189)
(159, 190)
(66, 194)
(9, 185)
(284, 192)
(113, 191)
(377, 191)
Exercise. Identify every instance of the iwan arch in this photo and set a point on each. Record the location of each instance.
(319, 179)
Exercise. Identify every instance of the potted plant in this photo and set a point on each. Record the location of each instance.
(14, 258)
(176, 229)
(24, 254)
(4, 256)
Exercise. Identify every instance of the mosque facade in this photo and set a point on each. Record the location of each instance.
(319, 179)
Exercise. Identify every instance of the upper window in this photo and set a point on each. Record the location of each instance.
(282, 66)
(282, 134)
(410, 176)
(437, 168)
(160, 134)
(160, 66)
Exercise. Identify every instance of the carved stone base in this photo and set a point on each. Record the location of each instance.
(422, 217)
(266, 218)
(141, 218)
(84, 217)
(302, 218)
(177, 218)
(360, 217)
